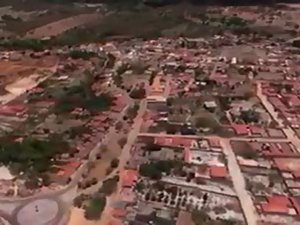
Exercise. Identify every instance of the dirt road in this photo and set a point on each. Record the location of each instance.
(239, 184)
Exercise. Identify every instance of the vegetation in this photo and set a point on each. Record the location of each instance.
(243, 149)
(154, 170)
(152, 147)
(7, 17)
(250, 116)
(296, 43)
(207, 122)
(200, 217)
(138, 93)
(114, 163)
(94, 208)
(122, 142)
(78, 131)
(109, 186)
(133, 111)
(34, 44)
(32, 156)
(79, 54)
(69, 103)
(82, 96)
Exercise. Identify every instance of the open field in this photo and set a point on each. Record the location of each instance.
(10, 70)
(21, 17)
(60, 26)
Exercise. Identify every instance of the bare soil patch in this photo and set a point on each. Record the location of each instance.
(59, 27)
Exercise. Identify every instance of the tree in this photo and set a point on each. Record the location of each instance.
(154, 170)
(250, 116)
(78, 201)
(138, 67)
(122, 142)
(138, 93)
(151, 171)
(140, 186)
(109, 186)
(95, 207)
(151, 79)
(206, 122)
(32, 156)
(170, 101)
(296, 43)
(80, 54)
(34, 44)
(114, 163)
(133, 111)
(88, 79)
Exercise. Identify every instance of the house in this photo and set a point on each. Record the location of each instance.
(128, 178)
(210, 105)
(218, 172)
(240, 129)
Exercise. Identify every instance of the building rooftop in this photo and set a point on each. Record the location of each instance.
(218, 172)
(128, 177)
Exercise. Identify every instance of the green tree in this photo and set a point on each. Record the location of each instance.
(95, 207)
(151, 171)
(109, 186)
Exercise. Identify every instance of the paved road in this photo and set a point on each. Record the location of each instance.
(239, 184)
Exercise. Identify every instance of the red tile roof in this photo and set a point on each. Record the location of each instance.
(240, 129)
(218, 172)
(294, 100)
(256, 130)
(173, 141)
(214, 143)
(288, 165)
(128, 178)
(277, 204)
(12, 109)
(277, 102)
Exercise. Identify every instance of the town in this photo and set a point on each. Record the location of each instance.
(177, 131)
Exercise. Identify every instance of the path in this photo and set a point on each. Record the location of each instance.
(239, 184)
